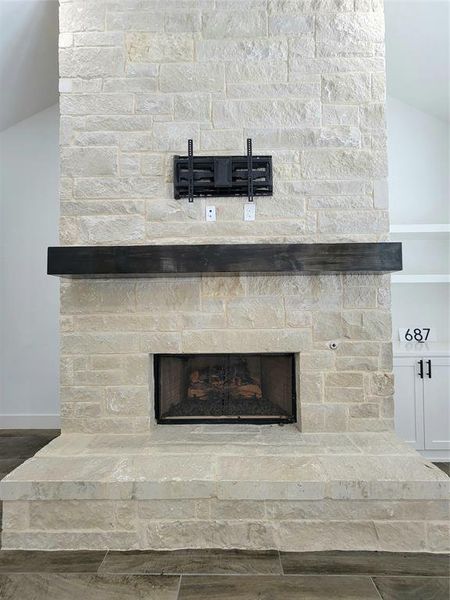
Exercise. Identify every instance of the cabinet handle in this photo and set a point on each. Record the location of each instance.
(421, 369)
(429, 369)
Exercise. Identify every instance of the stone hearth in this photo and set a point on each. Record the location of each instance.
(224, 486)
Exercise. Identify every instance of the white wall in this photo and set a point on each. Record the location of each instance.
(29, 187)
(418, 151)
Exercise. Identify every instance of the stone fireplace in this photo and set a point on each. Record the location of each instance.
(305, 80)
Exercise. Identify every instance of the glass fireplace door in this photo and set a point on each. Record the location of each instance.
(225, 388)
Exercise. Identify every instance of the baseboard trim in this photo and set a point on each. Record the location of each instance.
(30, 421)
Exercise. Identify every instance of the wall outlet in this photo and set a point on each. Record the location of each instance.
(210, 213)
(249, 211)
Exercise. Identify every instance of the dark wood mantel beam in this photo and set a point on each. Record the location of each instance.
(222, 259)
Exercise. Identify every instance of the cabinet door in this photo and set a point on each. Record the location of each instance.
(437, 403)
(409, 401)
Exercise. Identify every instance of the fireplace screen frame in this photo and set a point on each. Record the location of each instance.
(254, 420)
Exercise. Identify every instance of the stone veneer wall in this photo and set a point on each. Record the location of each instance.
(303, 78)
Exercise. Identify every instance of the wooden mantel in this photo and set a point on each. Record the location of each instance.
(222, 259)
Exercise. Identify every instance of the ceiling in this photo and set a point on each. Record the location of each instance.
(417, 53)
(28, 58)
(417, 50)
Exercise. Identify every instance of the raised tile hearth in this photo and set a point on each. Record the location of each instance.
(249, 487)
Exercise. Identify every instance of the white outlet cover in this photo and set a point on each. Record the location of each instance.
(249, 211)
(210, 213)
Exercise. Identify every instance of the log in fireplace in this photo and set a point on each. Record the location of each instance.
(230, 388)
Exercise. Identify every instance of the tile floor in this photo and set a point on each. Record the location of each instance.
(210, 575)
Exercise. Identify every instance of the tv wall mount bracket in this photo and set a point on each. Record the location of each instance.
(196, 176)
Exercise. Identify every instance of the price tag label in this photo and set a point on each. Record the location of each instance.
(416, 334)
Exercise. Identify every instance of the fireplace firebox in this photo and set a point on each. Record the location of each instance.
(225, 388)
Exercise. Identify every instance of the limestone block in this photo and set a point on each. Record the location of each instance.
(353, 380)
(438, 534)
(311, 388)
(171, 535)
(99, 343)
(300, 66)
(357, 363)
(81, 296)
(379, 87)
(329, 326)
(364, 410)
(221, 24)
(337, 395)
(304, 90)
(192, 77)
(281, 24)
(291, 6)
(65, 40)
(382, 384)
(152, 164)
(81, 16)
(117, 187)
(154, 104)
(257, 113)
(204, 321)
(81, 394)
(123, 401)
(170, 294)
(222, 287)
(134, 20)
(346, 88)
(351, 27)
(129, 164)
(244, 509)
(354, 222)
(96, 104)
(317, 361)
(192, 107)
(183, 22)
(372, 116)
(358, 349)
(173, 136)
(335, 114)
(303, 46)
(141, 71)
(150, 510)
(95, 38)
(326, 535)
(340, 202)
(88, 162)
(86, 410)
(246, 341)
(360, 297)
(335, 417)
(258, 313)
(217, 139)
(91, 62)
(298, 319)
(173, 210)
(270, 71)
(343, 164)
(126, 123)
(159, 47)
(57, 540)
(258, 49)
(105, 229)
(87, 514)
(15, 515)
(401, 536)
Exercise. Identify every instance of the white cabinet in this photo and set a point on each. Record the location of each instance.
(422, 401)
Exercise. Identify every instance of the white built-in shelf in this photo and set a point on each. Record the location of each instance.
(420, 278)
(418, 230)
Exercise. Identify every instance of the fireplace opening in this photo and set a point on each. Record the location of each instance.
(225, 388)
